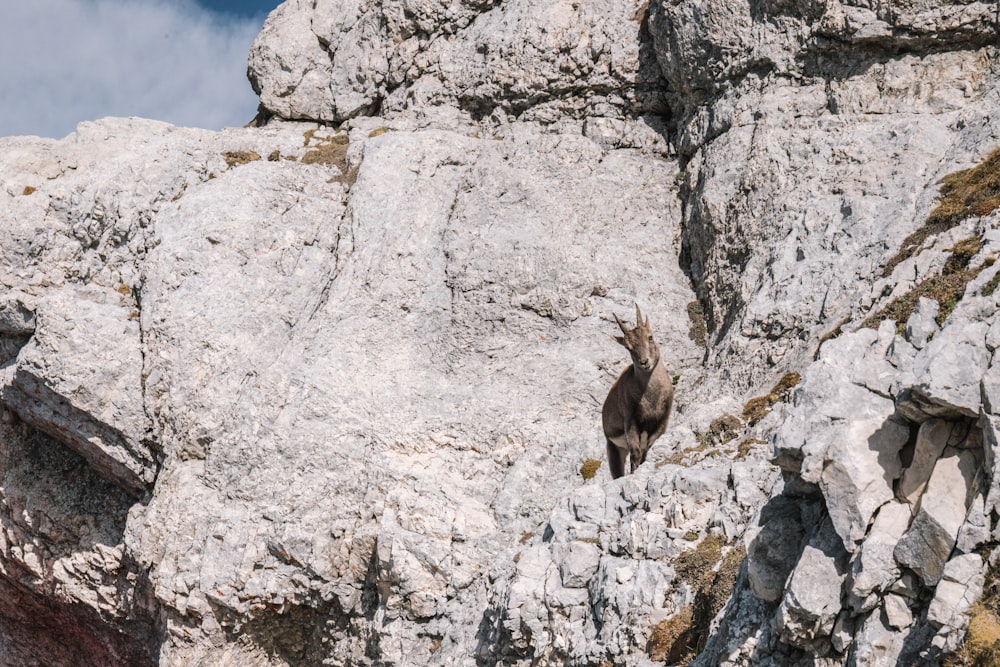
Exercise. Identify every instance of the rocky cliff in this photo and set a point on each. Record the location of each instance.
(320, 391)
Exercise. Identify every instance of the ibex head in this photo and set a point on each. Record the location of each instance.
(639, 342)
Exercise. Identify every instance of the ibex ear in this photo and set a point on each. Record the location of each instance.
(620, 340)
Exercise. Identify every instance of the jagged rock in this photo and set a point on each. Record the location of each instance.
(578, 564)
(927, 545)
(873, 567)
(953, 365)
(370, 365)
(333, 61)
(897, 612)
(811, 602)
(79, 379)
(876, 643)
(848, 436)
(774, 545)
(921, 325)
(932, 438)
(961, 585)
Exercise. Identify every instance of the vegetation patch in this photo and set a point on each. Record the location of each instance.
(963, 194)
(377, 132)
(757, 408)
(982, 640)
(682, 637)
(274, 155)
(667, 638)
(236, 158)
(947, 288)
(991, 286)
(29, 189)
(746, 446)
(589, 468)
(720, 431)
(697, 331)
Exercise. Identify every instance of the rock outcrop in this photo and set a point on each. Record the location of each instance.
(326, 390)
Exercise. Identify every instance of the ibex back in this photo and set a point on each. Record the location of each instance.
(638, 406)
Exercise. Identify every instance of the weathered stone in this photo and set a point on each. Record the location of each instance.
(897, 612)
(873, 567)
(952, 366)
(774, 545)
(876, 643)
(811, 602)
(80, 381)
(960, 587)
(578, 564)
(921, 325)
(927, 545)
(932, 438)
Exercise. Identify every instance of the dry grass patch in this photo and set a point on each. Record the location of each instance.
(697, 330)
(757, 408)
(963, 194)
(681, 638)
(589, 468)
(29, 189)
(947, 288)
(666, 639)
(236, 158)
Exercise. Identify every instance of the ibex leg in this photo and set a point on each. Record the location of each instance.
(616, 460)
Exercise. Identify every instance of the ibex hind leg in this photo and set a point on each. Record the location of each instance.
(616, 460)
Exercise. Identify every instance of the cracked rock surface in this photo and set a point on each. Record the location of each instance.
(323, 390)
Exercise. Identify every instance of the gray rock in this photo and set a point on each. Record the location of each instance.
(773, 547)
(80, 380)
(932, 438)
(811, 602)
(927, 545)
(921, 325)
(578, 564)
(953, 365)
(961, 585)
(897, 612)
(873, 567)
(876, 643)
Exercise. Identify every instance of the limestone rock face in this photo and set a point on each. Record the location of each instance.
(334, 60)
(326, 390)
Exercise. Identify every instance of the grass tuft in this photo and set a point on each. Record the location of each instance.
(236, 158)
(29, 189)
(757, 408)
(963, 194)
(681, 638)
(947, 288)
(697, 329)
(589, 468)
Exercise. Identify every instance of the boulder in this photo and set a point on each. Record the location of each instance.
(812, 599)
(927, 545)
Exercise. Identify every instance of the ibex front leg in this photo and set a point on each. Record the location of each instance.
(638, 454)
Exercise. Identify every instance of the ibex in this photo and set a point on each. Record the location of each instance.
(638, 406)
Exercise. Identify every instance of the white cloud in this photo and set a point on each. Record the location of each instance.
(65, 61)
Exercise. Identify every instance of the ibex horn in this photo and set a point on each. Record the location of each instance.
(638, 316)
(621, 325)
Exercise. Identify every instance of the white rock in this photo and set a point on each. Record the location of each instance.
(960, 587)
(873, 567)
(921, 325)
(927, 545)
(897, 612)
(811, 602)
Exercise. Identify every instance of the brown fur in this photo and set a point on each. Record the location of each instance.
(638, 406)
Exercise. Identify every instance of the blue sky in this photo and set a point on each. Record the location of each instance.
(181, 61)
